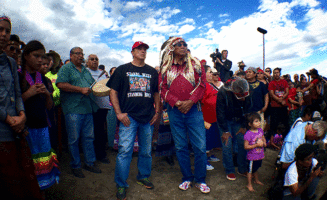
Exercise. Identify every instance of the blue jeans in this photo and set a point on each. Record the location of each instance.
(125, 150)
(234, 145)
(184, 126)
(112, 122)
(80, 125)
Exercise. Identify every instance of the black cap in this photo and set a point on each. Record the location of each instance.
(101, 67)
(313, 72)
(14, 38)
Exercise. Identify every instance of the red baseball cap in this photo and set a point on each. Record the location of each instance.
(139, 43)
(260, 70)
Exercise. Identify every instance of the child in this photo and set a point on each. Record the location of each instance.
(276, 141)
(254, 141)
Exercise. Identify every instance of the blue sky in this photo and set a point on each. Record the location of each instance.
(296, 40)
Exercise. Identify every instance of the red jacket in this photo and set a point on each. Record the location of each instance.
(180, 88)
(209, 104)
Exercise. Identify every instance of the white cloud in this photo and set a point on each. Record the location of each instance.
(224, 21)
(286, 45)
(200, 8)
(321, 67)
(209, 24)
(84, 22)
(131, 5)
(185, 29)
(224, 15)
(186, 21)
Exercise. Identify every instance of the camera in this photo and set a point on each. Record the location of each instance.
(215, 55)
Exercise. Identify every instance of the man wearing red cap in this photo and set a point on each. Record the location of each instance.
(134, 90)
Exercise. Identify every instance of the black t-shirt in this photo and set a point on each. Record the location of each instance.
(35, 109)
(258, 90)
(136, 87)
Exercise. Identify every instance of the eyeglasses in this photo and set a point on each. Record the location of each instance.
(17, 50)
(79, 53)
(94, 59)
(180, 44)
(241, 95)
(215, 74)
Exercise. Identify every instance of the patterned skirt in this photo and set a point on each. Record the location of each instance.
(44, 157)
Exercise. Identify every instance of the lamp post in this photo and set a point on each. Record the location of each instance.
(263, 31)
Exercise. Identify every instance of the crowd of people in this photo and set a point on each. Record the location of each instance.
(180, 108)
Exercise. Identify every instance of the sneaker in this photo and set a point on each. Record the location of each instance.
(146, 183)
(209, 166)
(203, 187)
(93, 169)
(185, 185)
(78, 173)
(121, 193)
(213, 158)
(231, 177)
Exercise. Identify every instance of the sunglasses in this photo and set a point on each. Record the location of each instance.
(17, 50)
(94, 59)
(241, 95)
(215, 74)
(180, 44)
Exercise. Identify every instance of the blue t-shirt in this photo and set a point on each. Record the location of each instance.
(258, 90)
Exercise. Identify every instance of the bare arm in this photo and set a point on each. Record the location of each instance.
(294, 102)
(247, 146)
(157, 107)
(268, 76)
(266, 104)
(123, 117)
(67, 87)
(307, 88)
(297, 190)
(286, 93)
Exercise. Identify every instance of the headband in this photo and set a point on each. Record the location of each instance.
(5, 18)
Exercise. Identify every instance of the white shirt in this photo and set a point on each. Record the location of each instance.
(298, 121)
(291, 175)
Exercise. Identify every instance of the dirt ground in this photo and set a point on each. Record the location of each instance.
(165, 179)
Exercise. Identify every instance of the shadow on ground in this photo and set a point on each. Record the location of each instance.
(165, 179)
